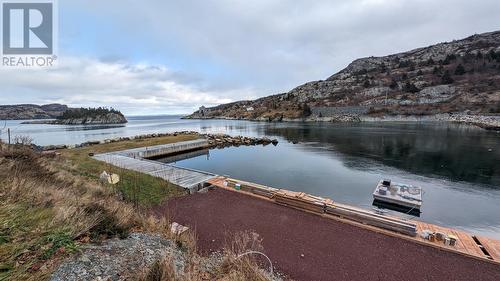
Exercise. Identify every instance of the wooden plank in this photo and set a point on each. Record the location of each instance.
(492, 246)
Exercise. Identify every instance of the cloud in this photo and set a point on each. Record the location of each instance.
(274, 45)
(135, 89)
(175, 55)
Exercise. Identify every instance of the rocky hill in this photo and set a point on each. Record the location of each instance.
(457, 78)
(86, 116)
(31, 111)
(89, 116)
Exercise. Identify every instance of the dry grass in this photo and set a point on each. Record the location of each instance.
(239, 262)
(234, 265)
(46, 212)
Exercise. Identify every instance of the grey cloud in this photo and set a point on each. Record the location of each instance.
(89, 82)
(273, 45)
(265, 46)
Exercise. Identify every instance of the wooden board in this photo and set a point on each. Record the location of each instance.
(465, 242)
(492, 246)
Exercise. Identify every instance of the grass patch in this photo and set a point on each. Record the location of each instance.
(46, 212)
(139, 188)
(28, 239)
(56, 241)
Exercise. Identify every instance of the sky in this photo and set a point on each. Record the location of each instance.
(170, 57)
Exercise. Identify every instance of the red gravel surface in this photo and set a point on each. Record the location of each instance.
(331, 250)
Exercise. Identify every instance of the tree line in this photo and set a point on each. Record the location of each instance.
(76, 113)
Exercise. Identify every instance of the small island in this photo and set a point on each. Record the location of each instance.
(86, 116)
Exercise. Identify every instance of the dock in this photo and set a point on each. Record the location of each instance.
(135, 160)
(163, 150)
(477, 247)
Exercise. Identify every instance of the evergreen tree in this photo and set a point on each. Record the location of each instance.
(410, 87)
(460, 70)
(394, 84)
(80, 113)
(446, 78)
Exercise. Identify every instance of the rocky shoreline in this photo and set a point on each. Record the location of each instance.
(483, 121)
(214, 140)
(223, 140)
(107, 119)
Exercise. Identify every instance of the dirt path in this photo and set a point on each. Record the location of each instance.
(331, 250)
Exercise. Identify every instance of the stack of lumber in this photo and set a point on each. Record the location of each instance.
(252, 188)
(301, 200)
(370, 218)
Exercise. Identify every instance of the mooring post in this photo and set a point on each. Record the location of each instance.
(8, 133)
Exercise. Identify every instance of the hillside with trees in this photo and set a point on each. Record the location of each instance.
(458, 78)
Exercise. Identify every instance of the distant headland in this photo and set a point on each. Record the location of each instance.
(59, 114)
(86, 116)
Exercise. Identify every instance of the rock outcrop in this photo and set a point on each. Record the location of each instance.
(119, 259)
(459, 77)
(109, 118)
(84, 116)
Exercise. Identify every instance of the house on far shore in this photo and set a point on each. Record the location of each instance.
(250, 108)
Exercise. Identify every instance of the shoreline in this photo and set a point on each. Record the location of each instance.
(487, 122)
(70, 122)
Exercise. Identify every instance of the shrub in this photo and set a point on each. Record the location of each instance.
(393, 84)
(492, 55)
(446, 78)
(449, 58)
(460, 70)
(306, 110)
(405, 63)
(23, 140)
(410, 87)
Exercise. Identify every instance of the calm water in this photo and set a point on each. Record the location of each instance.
(457, 166)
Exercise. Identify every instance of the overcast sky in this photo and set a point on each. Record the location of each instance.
(170, 57)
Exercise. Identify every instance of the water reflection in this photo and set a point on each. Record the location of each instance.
(91, 127)
(453, 152)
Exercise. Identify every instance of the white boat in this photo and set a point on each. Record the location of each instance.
(398, 194)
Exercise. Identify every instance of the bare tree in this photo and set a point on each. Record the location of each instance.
(23, 140)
